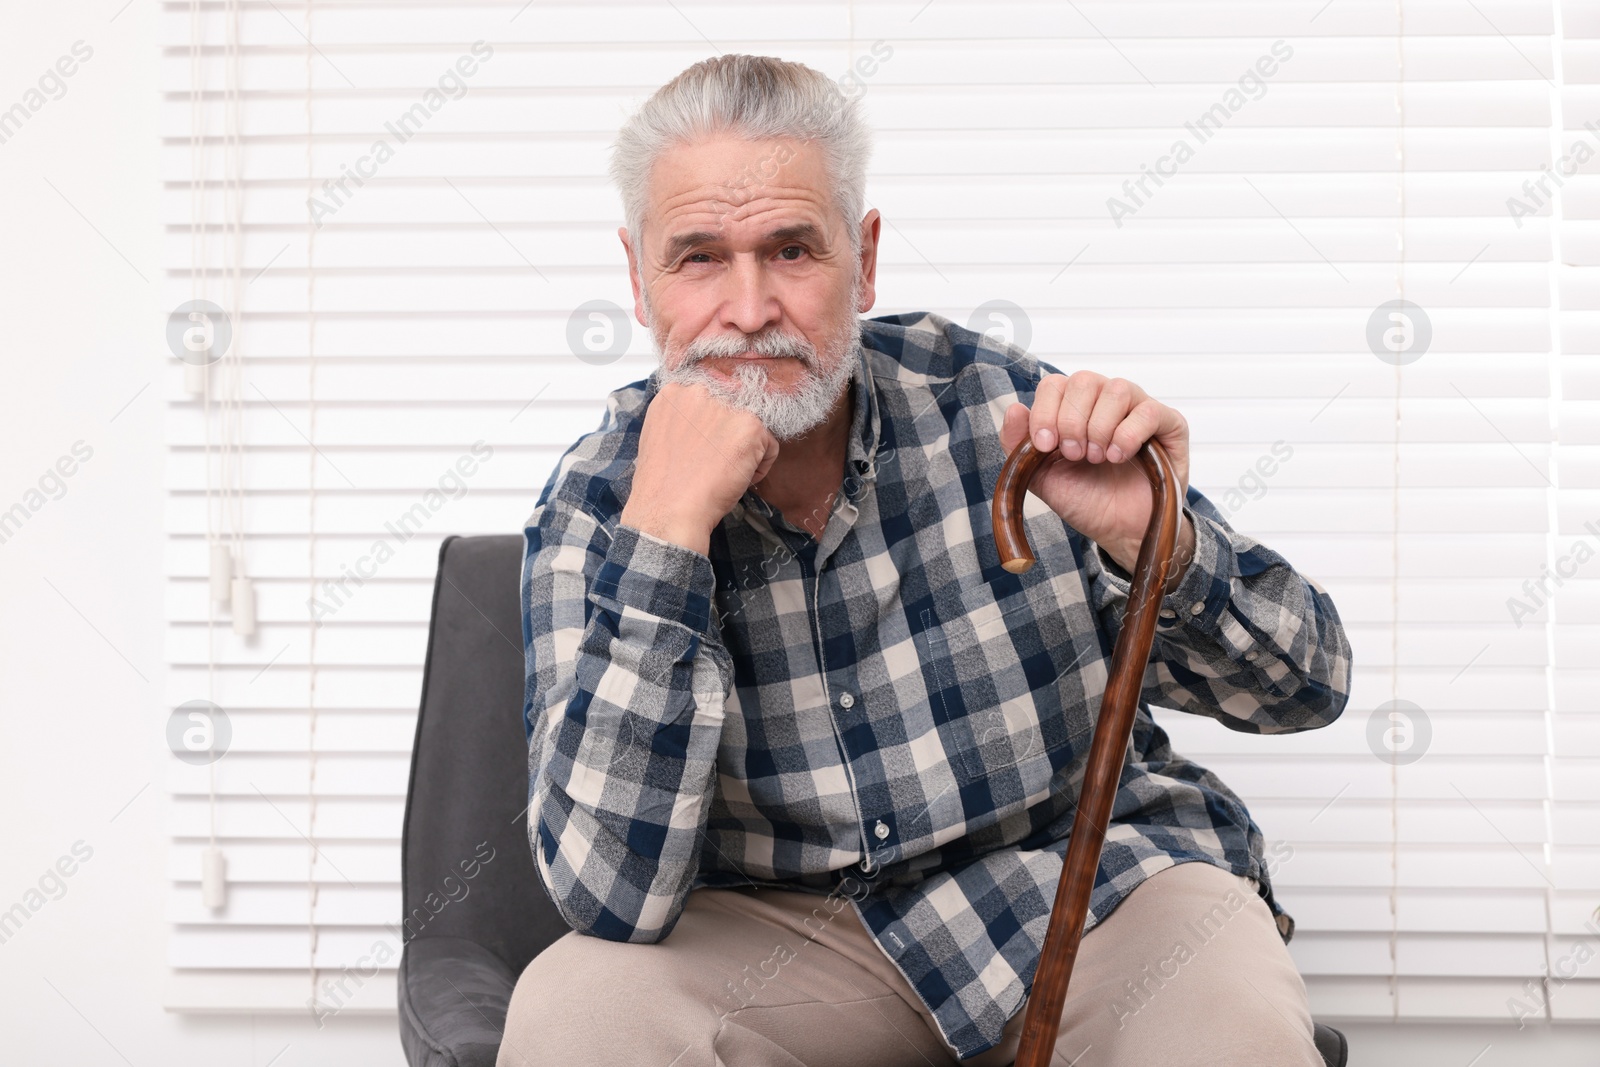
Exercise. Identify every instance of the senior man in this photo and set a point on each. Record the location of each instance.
(803, 757)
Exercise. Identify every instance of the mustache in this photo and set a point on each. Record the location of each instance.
(766, 343)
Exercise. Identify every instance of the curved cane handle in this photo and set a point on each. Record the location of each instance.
(1117, 708)
(1016, 555)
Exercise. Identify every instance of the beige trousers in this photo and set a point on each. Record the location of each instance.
(1189, 969)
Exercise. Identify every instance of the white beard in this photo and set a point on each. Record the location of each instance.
(787, 414)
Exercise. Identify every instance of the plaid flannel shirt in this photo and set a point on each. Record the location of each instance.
(884, 711)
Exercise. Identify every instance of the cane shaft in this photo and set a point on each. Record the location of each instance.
(1118, 706)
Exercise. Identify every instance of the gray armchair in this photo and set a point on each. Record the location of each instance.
(475, 910)
(469, 938)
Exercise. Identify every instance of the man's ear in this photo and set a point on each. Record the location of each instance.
(633, 275)
(870, 227)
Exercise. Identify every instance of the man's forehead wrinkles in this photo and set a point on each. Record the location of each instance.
(723, 199)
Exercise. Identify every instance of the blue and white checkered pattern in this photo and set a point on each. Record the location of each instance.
(885, 711)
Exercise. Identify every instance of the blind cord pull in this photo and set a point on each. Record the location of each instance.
(213, 878)
(221, 573)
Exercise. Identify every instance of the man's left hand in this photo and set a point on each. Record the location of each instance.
(1091, 426)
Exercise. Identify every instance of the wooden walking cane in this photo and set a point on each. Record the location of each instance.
(1115, 724)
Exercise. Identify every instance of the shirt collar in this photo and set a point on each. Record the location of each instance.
(865, 427)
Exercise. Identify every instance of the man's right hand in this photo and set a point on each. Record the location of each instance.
(697, 456)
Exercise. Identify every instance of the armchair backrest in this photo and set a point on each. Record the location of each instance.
(466, 867)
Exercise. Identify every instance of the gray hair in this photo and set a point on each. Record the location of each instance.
(757, 98)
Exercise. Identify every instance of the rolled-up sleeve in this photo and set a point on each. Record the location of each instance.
(627, 683)
(1245, 638)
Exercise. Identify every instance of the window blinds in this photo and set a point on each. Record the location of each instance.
(1220, 202)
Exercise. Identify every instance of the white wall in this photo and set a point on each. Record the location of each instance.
(82, 755)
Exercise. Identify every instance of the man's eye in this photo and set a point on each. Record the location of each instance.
(697, 257)
(797, 249)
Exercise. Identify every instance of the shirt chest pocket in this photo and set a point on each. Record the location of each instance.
(994, 697)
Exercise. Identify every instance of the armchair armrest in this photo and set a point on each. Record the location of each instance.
(1331, 1044)
(453, 998)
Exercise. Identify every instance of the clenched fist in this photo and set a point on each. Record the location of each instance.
(697, 456)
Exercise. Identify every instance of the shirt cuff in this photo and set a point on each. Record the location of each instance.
(1207, 586)
(658, 577)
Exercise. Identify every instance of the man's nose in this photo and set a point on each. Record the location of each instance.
(749, 304)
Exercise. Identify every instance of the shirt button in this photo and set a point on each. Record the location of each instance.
(1197, 607)
(1251, 655)
(882, 829)
(847, 701)
(1168, 613)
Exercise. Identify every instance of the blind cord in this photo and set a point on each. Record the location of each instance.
(198, 269)
(1394, 544)
(1558, 212)
(311, 524)
(233, 444)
